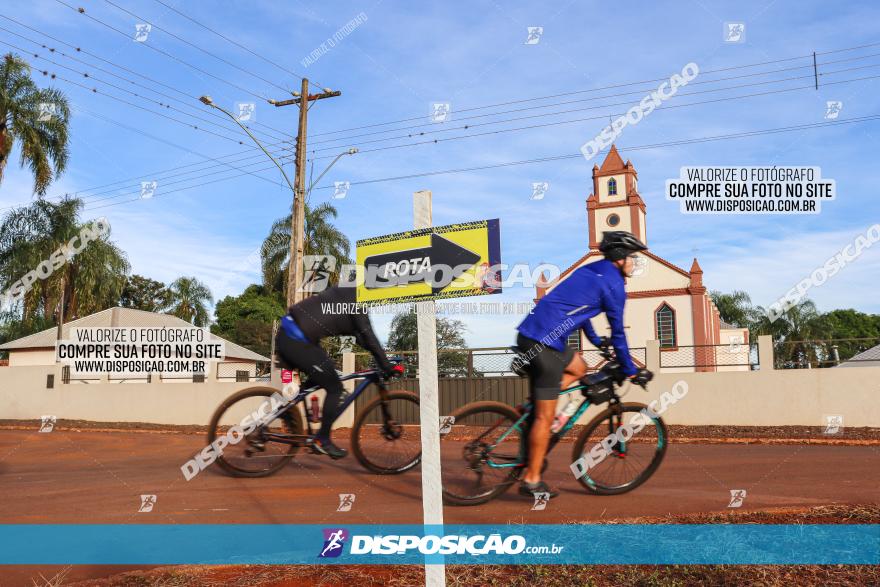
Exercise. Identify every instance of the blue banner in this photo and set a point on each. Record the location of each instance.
(150, 544)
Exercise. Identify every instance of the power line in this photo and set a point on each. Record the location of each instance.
(165, 53)
(609, 87)
(634, 148)
(599, 117)
(639, 92)
(96, 79)
(696, 140)
(176, 190)
(108, 62)
(237, 44)
(154, 175)
(132, 104)
(214, 173)
(205, 51)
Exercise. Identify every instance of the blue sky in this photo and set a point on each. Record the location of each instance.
(405, 56)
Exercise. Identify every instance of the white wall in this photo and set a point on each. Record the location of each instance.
(23, 396)
(747, 398)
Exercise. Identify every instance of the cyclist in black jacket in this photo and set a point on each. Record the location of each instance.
(333, 312)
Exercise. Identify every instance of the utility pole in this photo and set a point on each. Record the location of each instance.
(299, 184)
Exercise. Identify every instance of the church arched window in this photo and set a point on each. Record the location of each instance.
(612, 187)
(664, 319)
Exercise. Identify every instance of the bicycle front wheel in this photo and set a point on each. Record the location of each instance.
(386, 437)
(267, 448)
(480, 455)
(620, 449)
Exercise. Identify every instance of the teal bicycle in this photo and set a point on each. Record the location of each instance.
(485, 449)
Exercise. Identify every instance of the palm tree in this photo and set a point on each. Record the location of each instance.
(797, 323)
(189, 298)
(37, 119)
(735, 308)
(92, 280)
(321, 238)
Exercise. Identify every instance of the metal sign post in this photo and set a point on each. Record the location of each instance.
(429, 404)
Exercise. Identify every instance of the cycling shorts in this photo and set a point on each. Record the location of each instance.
(545, 367)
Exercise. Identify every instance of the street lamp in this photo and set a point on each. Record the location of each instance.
(351, 151)
(207, 101)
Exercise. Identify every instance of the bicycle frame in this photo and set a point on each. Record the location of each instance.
(370, 376)
(554, 439)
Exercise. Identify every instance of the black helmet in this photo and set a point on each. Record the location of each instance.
(619, 244)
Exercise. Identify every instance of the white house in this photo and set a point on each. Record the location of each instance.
(239, 364)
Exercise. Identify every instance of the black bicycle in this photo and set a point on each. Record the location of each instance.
(486, 448)
(264, 430)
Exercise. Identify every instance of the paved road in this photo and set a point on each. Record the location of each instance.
(98, 477)
(74, 477)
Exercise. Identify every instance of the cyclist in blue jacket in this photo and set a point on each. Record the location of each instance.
(590, 290)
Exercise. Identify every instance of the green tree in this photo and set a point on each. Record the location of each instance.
(92, 279)
(247, 319)
(321, 238)
(34, 119)
(793, 334)
(735, 308)
(189, 299)
(450, 335)
(850, 331)
(143, 293)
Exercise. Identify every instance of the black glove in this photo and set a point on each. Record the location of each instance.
(642, 377)
(604, 342)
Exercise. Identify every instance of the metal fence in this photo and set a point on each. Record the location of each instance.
(482, 362)
(818, 354)
(710, 356)
(593, 357)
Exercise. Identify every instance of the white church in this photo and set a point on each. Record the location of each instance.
(664, 301)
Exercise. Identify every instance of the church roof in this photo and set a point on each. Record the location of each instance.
(613, 161)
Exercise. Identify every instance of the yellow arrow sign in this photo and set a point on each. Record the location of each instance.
(450, 261)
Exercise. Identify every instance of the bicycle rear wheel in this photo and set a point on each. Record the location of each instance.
(386, 437)
(620, 449)
(262, 452)
(480, 455)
